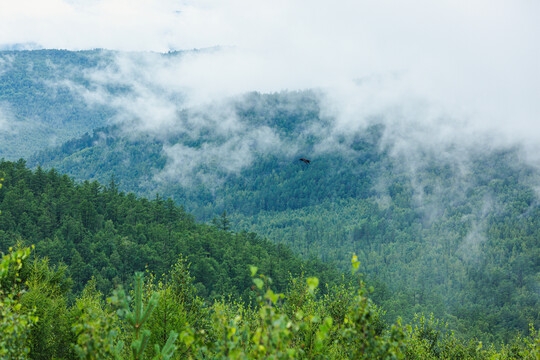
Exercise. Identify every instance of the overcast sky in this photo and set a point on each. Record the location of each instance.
(469, 59)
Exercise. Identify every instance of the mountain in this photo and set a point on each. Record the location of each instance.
(108, 235)
(448, 233)
(45, 99)
(37, 106)
(448, 227)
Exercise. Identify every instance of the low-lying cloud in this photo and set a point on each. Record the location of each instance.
(211, 163)
(6, 119)
(442, 76)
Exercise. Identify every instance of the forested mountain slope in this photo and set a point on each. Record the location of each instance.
(455, 236)
(37, 106)
(43, 319)
(46, 99)
(103, 233)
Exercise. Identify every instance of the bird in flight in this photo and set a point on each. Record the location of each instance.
(305, 160)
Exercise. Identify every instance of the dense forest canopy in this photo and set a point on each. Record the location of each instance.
(456, 237)
(450, 229)
(45, 313)
(105, 234)
(41, 318)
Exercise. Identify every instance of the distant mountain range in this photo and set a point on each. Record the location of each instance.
(456, 234)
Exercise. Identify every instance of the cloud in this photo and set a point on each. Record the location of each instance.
(211, 163)
(469, 249)
(448, 78)
(436, 73)
(160, 96)
(6, 62)
(6, 119)
(115, 24)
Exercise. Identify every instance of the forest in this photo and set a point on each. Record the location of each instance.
(80, 307)
(464, 247)
(36, 99)
(102, 233)
(206, 237)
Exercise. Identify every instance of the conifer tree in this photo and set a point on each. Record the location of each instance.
(223, 222)
(138, 317)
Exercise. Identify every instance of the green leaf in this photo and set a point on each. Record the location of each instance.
(259, 283)
(355, 263)
(312, 283)
(273, 297)
(253, 270)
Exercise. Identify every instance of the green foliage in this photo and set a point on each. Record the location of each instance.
(222, 222)
(96, 328)
(178, 307)
(295, 325)
(298, 324)
(46, 289)
(431, 339)
(429, 240)
(103, 233)
(15, 323)
(363, 330)
(137, 318)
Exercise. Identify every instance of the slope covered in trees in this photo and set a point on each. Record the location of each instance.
(38, 107)
(167, 320)
(457, 237)
(102, 233)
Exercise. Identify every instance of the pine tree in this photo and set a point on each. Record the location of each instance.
(138, 317)
(222, 223)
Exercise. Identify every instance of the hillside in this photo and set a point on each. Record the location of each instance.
(240, 316)
(457, 235)
(37, 105)
(44, 97)
(101, 232)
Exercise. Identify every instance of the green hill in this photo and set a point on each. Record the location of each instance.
(110, 234)
(103, 233)
(451, 231)
(457, 240)
(37, 106)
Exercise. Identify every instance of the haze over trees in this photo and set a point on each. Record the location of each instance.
(464, 247)
(197, 196)
(46, 314)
